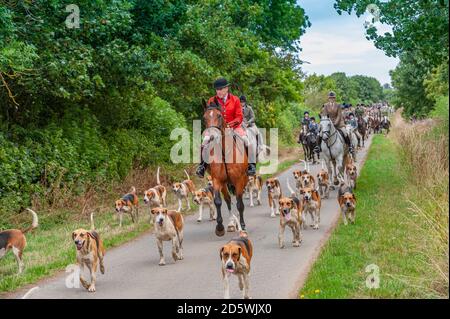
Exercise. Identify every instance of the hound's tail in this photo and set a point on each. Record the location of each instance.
(133, 190)
(92, 221)
(34, 224)
(157, 177)
(260, 179)
(187, 174)
(290, 188)
(306, 165)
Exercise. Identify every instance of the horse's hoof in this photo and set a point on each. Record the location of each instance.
(231, 228)
(220, 230)
(332, 188)
(336, 182)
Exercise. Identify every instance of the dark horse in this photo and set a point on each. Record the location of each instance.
(309, 142)
(362, 129)
(226, 169)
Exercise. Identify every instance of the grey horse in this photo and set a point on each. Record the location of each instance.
(333, 150)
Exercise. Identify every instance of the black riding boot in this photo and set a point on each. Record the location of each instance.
(251, 169)
(201, 169)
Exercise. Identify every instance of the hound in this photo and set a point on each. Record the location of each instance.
(169, 226)
(307, 180)
(236, 256)
(182, 191)
(351, 174)
(203, 197)
(347, 203)
(156, 196)
(210, 180)
(304, 178)
(290, 215)
(311, 204)
(298, 178)
(90, 253)
(323, 180)
(274, 194)
(14, 239)
(128, 204)
(254, 185)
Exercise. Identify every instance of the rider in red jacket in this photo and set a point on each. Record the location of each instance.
(232, 114)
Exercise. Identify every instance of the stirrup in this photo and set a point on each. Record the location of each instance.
(201, 170)
(251, 169)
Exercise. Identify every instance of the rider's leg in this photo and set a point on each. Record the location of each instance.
(318, 147)
(251, 168)
(347, 139)
(201, 169)
(251, 156)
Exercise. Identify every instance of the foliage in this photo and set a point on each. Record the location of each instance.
(91, 103)
(349, 89)
(419, 38)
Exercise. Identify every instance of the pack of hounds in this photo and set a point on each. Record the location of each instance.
(302, 202)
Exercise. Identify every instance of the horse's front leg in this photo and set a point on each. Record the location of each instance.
(220, 230)
(240, 205)
(339, 167)
(331, 172)
(232, 220)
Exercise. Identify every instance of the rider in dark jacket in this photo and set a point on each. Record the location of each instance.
(306, 119)
(313, 126)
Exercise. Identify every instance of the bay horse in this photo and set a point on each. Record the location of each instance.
(225, 171)
(334, 150)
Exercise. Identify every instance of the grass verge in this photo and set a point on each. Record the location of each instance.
(386, 234)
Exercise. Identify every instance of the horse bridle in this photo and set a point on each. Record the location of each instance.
(327, 133)
(216, 107)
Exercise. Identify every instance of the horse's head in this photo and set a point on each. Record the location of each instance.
(213, 118)
(325, 127)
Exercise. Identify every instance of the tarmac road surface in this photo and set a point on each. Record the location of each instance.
(132, 270)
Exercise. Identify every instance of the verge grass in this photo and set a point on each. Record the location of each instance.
(401, 222)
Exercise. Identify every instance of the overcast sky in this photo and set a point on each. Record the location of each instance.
(337, 43)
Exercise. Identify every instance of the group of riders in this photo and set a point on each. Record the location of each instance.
(348, 120)
(240, 117)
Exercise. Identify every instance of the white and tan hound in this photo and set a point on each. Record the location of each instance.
(274, 193)
(14, 239)
(182, 191)
(236, 257)
(169, 226)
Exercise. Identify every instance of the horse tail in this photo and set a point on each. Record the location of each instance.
(231, 188)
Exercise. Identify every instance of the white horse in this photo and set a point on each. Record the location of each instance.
(333, 150)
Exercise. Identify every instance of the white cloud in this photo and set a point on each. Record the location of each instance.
(332, 46)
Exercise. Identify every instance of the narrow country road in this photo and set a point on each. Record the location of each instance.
(132, 269)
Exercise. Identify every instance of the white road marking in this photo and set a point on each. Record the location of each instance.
(29, 292)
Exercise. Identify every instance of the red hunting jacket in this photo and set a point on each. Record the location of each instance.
(231, 111)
